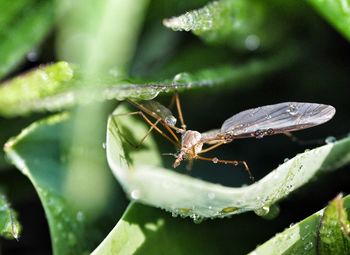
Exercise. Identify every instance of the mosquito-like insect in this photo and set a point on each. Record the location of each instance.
(258, 122)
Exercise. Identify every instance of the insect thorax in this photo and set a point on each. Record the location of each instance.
(191, 139)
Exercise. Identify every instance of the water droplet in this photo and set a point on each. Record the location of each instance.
(182, 78)
(270, 131)
(308, 246)
(215, 160)
(259, 134)
(71, 239)
(115, 72)
(291, 225)
(262, 211)
(252, 42)
(285, 160)
(104, 146)
(44, 76)
(211, 195)
(330, 139)
(80, 216)
(170, 120)
(135, 194)
(292, 110)
(32, 56)
(196, 218)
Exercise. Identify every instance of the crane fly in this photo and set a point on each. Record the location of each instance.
(258, 122)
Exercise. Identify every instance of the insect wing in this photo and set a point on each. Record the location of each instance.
(277, 118)
(210, 137)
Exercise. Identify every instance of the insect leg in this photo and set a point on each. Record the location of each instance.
(153, 126)
(189, 164)
(302, 142)
(178, 106)
(156, 116)
(234, 162)
(211, 147)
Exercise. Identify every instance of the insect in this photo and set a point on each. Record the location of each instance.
(258, 122)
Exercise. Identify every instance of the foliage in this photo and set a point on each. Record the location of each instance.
(68, 64)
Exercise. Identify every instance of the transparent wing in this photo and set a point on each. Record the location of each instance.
(277, 118)
(210, 137)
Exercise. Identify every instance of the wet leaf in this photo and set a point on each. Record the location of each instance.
(59, 86)
(40, 152)
(337, 12)
(320, 233)
(9, 225)
(334, 229)
(147, 230)
(20, 35)
(242, 24)
(144, 178)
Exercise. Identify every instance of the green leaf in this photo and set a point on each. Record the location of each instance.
(9, 128)
(147, 230)
(41, 153)
(20, 35)
(242, 24)
(325, 232)
(335, 229)
(93, 33)
(59, 86)
(9, 225)
(145, 179)
(337, 12)
(37, 90)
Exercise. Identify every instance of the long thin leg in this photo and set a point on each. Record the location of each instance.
(171, 132)
(302, 142)
(234, 162)
(147, 134)
(178, 107)
(211, 147)
(153, 126)
(156, 116)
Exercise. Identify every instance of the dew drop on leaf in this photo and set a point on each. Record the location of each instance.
(262, 211)
(135, 194)
(330, 139)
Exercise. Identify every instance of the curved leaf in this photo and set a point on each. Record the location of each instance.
(143, 177)
(147, 230)
(9, 225)
(40, 152)
(337, 12)
(320, 233)
(241, 23)
(334, 231)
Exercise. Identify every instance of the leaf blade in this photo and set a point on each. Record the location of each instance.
(160, 187)
(10, 227)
